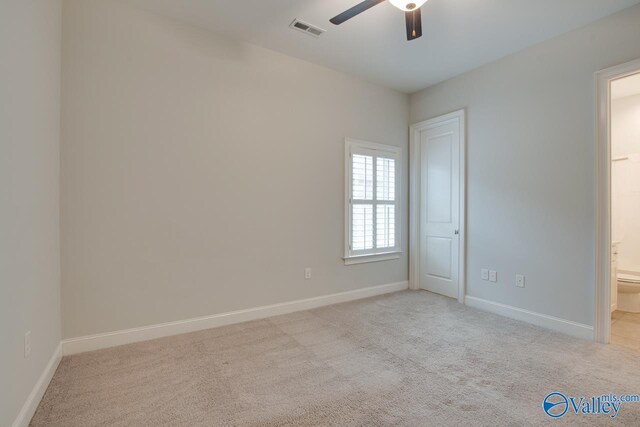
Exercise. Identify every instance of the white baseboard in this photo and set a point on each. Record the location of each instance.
(568, 327)
(128, 336)
(31, 404)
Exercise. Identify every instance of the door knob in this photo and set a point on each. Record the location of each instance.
(457, 232)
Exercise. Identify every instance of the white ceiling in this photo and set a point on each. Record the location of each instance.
(627, 86)
(459, 35)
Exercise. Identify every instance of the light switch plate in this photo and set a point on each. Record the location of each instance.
(493, 276)
(520, 280)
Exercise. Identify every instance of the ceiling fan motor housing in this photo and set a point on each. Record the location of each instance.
(407, 5)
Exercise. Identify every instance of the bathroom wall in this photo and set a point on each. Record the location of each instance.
(626, 180)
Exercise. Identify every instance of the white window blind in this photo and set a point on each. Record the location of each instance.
(372, 204)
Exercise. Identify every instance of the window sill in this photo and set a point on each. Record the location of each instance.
(362, 259)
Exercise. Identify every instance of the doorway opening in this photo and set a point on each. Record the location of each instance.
(618, 234)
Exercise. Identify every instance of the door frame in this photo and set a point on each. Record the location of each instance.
(602, 326)
(458, 117)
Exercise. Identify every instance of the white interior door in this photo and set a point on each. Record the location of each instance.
(440, 195)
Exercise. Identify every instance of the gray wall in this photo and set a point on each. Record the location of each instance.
(202, 175)
(29, 195)
(531, 165)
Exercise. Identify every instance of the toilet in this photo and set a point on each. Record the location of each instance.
(629, 291)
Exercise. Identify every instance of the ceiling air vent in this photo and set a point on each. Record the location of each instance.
(306, 28)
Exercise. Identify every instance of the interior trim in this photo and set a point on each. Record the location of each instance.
(128, 336)
(564, 326)
(602, 230)
(363, 259)
(31, 404)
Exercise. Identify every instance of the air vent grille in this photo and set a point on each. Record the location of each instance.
(305, 27)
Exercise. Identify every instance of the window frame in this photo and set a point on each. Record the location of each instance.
(354, 146)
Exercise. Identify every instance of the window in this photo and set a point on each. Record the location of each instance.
(372, 202)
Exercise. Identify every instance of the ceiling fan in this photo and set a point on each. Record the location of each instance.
(411, 9)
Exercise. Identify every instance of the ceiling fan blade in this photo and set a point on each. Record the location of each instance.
(414, 24)
(355, 10)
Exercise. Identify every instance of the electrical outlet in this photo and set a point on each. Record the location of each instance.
(520, 280)
(493, 276)
(307, 273)
(27, 344)
(484, 274)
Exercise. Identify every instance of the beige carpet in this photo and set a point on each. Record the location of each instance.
(410, 358)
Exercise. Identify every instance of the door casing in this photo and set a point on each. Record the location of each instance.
(459, 118)
(602, 329)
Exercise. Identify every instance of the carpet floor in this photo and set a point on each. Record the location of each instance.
(409, 358)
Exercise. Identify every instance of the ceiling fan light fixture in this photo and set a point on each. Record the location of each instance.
(411, 9)
(408, 5)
